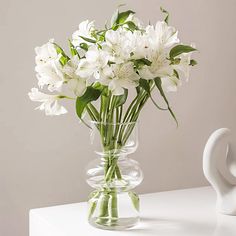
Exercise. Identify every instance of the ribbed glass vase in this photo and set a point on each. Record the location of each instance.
(113, 174)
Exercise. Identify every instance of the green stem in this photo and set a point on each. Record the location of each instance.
(129, 114)
(114, 209)
(114, 136)
(94, 111)
(104, 213)
(129, 108)
(106, 166)
(118, 173)
(111, 170)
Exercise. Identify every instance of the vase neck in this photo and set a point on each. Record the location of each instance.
(119, 157)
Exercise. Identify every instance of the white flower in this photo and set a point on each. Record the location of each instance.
(85, 69)
(70, 67)
(124, 77)
(94, 64)
(104, 75)
(75, 83)
(162, 36)
(48, 67)
(170, 83)
(45, 53)
(140, 45)
(49, 102)
(120, 43)
(113, 38)
(126, 45)
(78, 86)
(160, 67)
(183, 68)
(85, 29)
(97, 56)
(51, 75)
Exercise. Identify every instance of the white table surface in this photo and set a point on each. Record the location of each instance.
(187, 212)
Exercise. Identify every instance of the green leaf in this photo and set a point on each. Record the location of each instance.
(139, 63)
(144, 61)
(102, 88)
(179, 49)
(176, 74)
(98, 85)
(145, 85)
(73, 50)
(88, 39)
(101, 35)
(111, 63)
(115, 27)
(167, 15)
(193, 62)
(64, 58)
(99, 46)
(135, 199)
(175, 61)
(58, 49)
(137, 89)
(105, 91)
(122, 16)
(84, 46)
(93, 34)
(131, 25)
(91, 94)
(121, 99)
(158, 83)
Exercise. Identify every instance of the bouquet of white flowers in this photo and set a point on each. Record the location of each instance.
(104, 65)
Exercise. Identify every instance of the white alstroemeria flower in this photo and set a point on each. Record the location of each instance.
(85, 69)
(51, 75)
(140, 44)
(49, 102)
(160, 67)
(94, 64)
(183, 68)
(124, 77)
(85, 29)
(170, 84)
(113, 38)
(121, 44)
(70, 67)
(78, 86)
(162, 36)
(45, 53)
(104, 75)
(97, 56)
(75, 83)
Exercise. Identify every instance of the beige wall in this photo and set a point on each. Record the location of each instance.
(42, 158)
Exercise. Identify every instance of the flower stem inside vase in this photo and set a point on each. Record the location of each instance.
(114, 205)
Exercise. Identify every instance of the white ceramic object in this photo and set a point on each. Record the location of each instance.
(226, 191)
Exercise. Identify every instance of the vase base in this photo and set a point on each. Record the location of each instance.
(114, 224)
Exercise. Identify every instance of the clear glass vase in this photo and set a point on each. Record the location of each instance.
(113, 204)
